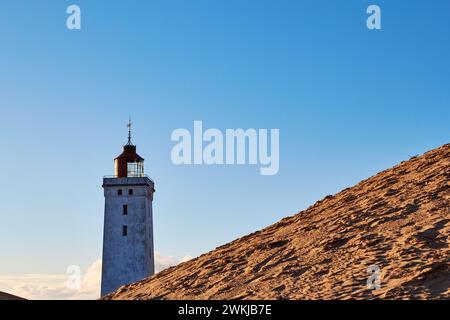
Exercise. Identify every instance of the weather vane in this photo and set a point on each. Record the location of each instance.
(129, 124)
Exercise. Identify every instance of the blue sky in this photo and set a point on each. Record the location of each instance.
(349, 102)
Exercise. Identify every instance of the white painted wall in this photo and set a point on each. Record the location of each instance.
(127, 259)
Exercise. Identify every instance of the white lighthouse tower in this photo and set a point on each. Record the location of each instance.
(128, 226)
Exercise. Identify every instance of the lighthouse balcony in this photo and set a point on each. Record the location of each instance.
(133, 180)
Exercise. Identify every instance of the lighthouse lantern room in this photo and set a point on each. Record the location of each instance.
(129, 163)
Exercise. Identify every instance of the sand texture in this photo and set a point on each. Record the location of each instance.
(398, 220)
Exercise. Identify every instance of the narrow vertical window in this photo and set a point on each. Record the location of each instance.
(124, 231)
(119, 192)
(130, 191)
(125, 209)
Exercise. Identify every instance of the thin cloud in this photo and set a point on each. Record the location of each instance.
(55, 286)
(162, 262)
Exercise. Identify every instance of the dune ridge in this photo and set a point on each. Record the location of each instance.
(398, 220)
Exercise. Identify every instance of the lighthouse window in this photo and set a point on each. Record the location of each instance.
(124, 231)
(130, 191)
(119, 192)
(125, 209)
(135, 169)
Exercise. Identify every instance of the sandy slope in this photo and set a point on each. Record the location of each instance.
(7, 296)
(398, 220)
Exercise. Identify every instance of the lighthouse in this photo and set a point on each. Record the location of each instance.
(128, 254)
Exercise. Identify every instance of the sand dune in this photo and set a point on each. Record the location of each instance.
(398, 220)
(7, 296)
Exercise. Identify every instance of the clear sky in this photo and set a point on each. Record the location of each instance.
(348, 101)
